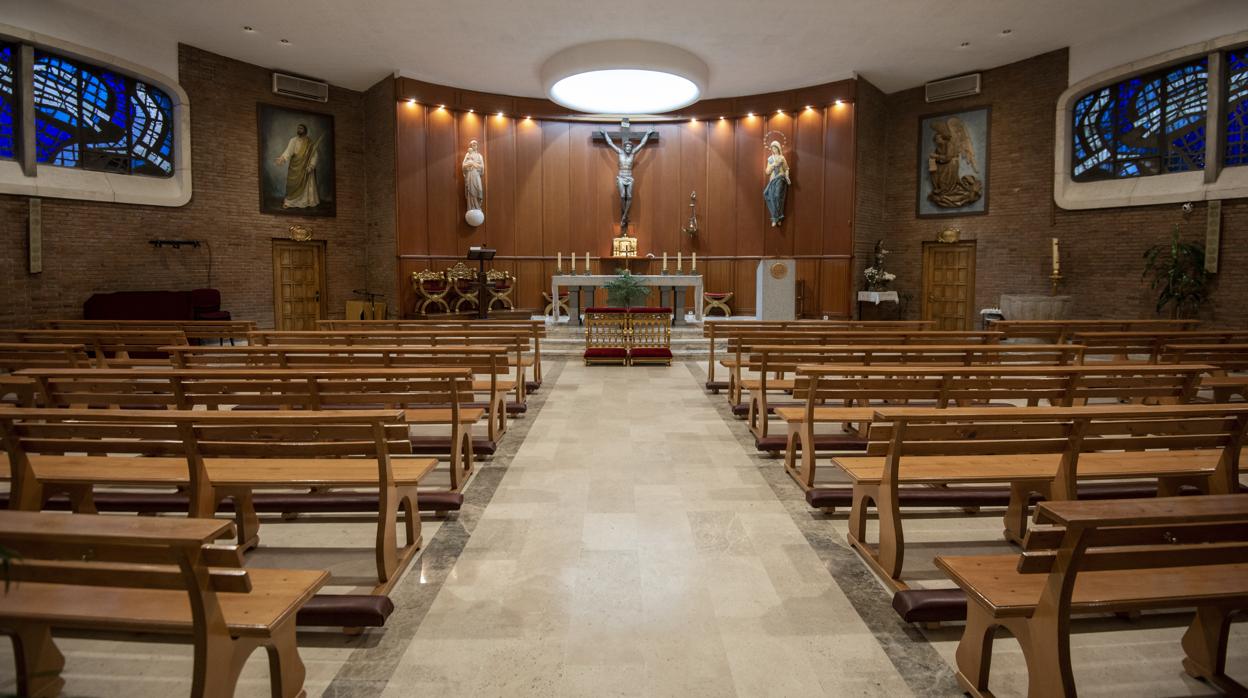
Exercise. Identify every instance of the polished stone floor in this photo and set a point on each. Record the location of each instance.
(627, 540)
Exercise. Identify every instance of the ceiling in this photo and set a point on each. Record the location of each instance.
(500, 45)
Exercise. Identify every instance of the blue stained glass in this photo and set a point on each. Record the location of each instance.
(1144, 125)
(8, 104)
(1235, 151)
(151, 131)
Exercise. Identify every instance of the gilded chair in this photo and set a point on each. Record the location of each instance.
(650, 336)
(431, 289)
(500, 286)
(463, 281)
(563, 304)
(711, 301)
(606, 336)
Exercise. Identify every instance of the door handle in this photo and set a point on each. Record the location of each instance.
(932, 299)
(317, 295)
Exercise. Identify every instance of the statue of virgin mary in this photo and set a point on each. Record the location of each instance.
(778, 182)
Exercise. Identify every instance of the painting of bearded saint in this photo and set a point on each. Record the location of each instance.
(953, 164)
(296, 162)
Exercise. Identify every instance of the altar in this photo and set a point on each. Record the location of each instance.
(672, 285)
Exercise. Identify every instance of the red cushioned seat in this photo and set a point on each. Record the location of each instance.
(606, 353)
(650, 353)
(716, 296)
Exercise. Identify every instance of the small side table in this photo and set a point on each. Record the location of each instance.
(869, 305)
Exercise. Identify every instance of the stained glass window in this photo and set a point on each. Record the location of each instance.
(8, 101)
(1145, 125)
(95, 119)
(1236, 152)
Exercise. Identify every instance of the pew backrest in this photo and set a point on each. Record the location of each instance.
(195, 330)
(1229, 357)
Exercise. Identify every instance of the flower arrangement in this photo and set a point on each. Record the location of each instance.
(877, 278)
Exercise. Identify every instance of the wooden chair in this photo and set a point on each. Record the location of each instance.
(1034, 449)
(848, 395)
(462, 281)
(715, 301)
(1099, 557)
(429, 397)
(431, 287)
(148, 575)
(215, 455)
(500, 286)
(650, 336)
(606, 336)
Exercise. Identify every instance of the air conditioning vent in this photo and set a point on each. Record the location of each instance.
(952, 88)
(291, 86)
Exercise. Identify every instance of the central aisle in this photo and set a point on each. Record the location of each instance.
(633, 548)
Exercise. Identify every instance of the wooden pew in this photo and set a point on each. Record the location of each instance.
(1034, 449)
(196, 331)
(516, 340)
(108, 348)
(148, 575)
(1147, 346)
(771, 364)
(428, 396)
(1102, 557)
(487, 361)
(713, 330)
(215, 455)
(1058, 331)
(536, 329)
(15, 356)
(850, 394)
(1226, 358)
(740, 344)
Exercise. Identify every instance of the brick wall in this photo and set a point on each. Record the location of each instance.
(1101, 249)
(870, 177)
(379, 153)
(94, 247)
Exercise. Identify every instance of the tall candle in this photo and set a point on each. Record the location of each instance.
(573, 262)
(664, 261)
(677, 261)
(1057, 265)
(693, 265)
(559, 261)
(587, 269)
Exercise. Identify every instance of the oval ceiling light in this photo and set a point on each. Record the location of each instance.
(624, 77)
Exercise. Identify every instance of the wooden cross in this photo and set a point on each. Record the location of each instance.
(624, 135)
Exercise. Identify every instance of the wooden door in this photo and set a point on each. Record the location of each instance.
(298, 284)
(949, 284)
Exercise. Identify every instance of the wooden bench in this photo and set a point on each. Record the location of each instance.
(215, 455)
(1101, 557)
(850, 394)
(740, 345)
(771, 365)
(1058, 331)
(1146, 346)
(148, 575)
(1228, 359)
(714, 330)
(489, 362)
(108, 348)
(196, 331)
(1034, 449)
(429, 397)
(535, 328)
(520, 354)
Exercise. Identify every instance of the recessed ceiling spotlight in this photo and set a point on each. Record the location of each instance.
(721, 118)
(469, 111)
(839, 102)
(1005, 32)
(808, 107)
(624, 77)
(500, 115)
(411, 100)
(750, 115)
(285, 42)
(248, 29)
(964, 44)
(694, 120)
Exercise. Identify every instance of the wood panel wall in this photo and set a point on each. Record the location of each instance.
(550, 189)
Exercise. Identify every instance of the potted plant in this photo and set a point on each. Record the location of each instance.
(625, 290)
(1177, 269)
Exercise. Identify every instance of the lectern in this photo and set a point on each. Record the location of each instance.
(775, 289)
(481, 255)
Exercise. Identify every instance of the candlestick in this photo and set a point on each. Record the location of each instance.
(1057, 265)
(574, 263)
(678, 262)
(693, 265)
(559, 262)
(664, 262)
(587, 271)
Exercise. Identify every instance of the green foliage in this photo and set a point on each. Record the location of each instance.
(625, 290)
(1178, 275)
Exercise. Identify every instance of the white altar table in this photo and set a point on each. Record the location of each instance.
(677, 283)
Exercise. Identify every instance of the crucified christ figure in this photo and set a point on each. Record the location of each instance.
(624, 179)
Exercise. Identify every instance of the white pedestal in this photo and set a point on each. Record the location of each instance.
(1035, 307)
(775, 288)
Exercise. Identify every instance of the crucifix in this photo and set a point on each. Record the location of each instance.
(626, 151)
